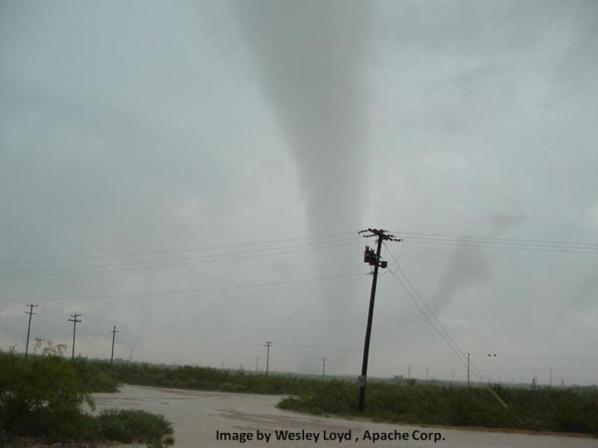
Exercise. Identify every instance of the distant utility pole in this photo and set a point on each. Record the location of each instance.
(550, 377)
(74, 319)
(468, 356)
(323, 367)
(373, 259)
(409, 372)
(267, 345)
(257, 364)
(31, 313)
(113, 331)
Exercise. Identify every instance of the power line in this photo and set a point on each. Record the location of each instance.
(502, 239)
(443, 332)
(172, 251)
(192, 291)
(500, 243)
(157, 264)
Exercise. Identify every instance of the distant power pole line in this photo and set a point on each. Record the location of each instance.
(373, 259)
(31, 313)
(113, 331)
(74, 319)
(268, 344)
(324, 367)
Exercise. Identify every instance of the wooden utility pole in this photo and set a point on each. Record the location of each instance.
(268, 344)
(113, 331)
(31, 313)
(74, 319)
(373, 259)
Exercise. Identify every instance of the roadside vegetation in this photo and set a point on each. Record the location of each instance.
(42, 400)
(205, 378)
(571, 410)
(543, 409)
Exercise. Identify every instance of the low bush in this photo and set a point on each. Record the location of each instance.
(130, 426)
(41, 398)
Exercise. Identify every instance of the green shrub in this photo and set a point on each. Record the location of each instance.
(130, 426)
(40, 396)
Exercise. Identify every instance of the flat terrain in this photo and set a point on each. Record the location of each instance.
(197, 416)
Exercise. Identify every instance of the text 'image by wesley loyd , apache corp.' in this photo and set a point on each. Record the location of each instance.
(341, 437)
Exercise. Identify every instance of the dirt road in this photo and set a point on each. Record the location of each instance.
(201, 418)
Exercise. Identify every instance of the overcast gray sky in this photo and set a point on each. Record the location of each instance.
(196, 173)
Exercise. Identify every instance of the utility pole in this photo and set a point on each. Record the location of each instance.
(114, 331)
(257, 364)
(373, 259)
(267, 345)
(74, 319)
(31, 313)
(323, 368)
(409, 372)
(468, 356)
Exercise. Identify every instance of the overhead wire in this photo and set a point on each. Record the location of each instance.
(158, 264)
(187, 291)
(171, 251)
(500, 243)
(441, 330)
